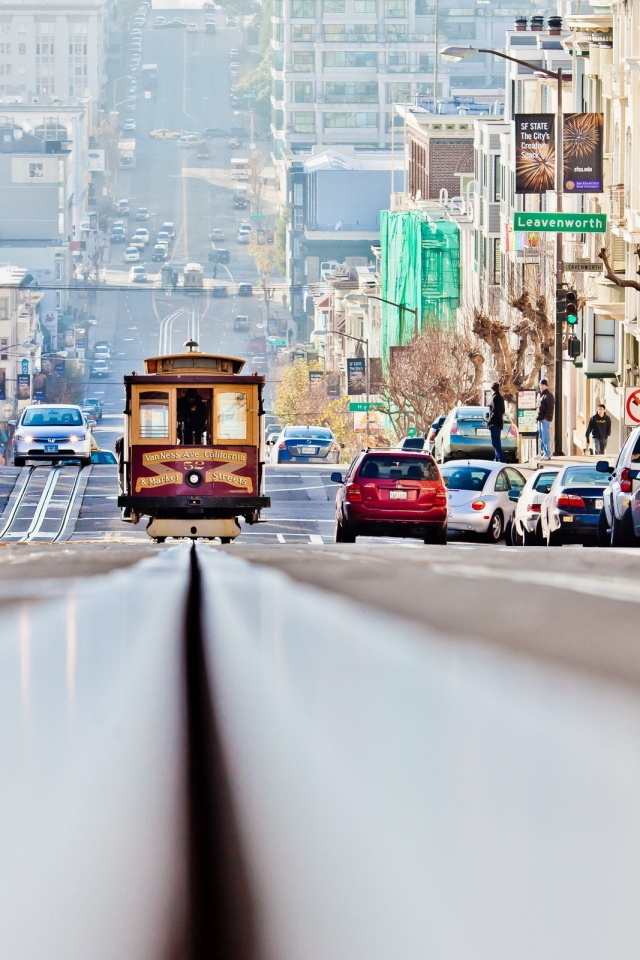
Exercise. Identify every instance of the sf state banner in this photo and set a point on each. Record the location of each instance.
(582, 152)
(535, 152)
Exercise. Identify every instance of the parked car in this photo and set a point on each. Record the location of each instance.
(217, 234)
(129, 125)
(245, 290)
(571, 510)
(271, 432)
(241, 323)
(138, 274)
(434, 430)
(131, 254)
(525, 527)
(99, 369)
(391, 493)
(616, 526)
(302, 444)
(478, 495)
(51, 432)
(188, 140)
(464, 433)
(96, 404)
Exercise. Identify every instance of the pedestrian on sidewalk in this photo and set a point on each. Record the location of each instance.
(599, 428)
(544, 416)
(496, 422)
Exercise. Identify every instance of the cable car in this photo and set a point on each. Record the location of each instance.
(191, 458)
(193, 278)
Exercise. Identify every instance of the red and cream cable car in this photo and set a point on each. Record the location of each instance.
(191, 459)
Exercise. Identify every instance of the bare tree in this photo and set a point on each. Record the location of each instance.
(433, 373)
(265, 260)
(256, 180)
(613, 277)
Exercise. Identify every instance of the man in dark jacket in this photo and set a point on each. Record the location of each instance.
(544, 416)
(496, 421)
(600, 429)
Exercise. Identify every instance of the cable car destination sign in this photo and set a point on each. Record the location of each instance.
(529, 222)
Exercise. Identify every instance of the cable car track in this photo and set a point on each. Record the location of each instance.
(48, 515)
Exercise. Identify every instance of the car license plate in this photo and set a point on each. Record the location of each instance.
(308, 451)
(397, 494)
(51, 448)
(599, 503)
(483, 432)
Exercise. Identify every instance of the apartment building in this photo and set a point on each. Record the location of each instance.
(52, 49)
(338, 66)
(20, 339)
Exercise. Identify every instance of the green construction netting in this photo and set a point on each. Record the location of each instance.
(420, 260)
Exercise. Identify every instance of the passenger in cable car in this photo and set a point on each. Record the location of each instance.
(193, 418)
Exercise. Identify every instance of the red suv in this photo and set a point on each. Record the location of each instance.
(390, 493)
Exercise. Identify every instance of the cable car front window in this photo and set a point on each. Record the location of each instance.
(154, 415)
(231, 415)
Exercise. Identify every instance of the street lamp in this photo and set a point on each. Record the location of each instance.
(454, 55)
(402, 307)
(365, 341)
(115, 89)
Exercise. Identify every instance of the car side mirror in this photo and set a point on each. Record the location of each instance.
(603, 467)
(12, 423)
(514, 495)
(337, 477)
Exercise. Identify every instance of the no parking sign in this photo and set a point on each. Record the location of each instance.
(632, 406)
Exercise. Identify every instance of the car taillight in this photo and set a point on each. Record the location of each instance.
(453, 428)
(282, 446)
(335, 447)
(441, 495)
(569, 500)
(432, 435)
(625, 481)
(478, 505)
(354, 493)
(513, 433)
(534, 507)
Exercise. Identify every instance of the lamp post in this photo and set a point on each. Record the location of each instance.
(402, 307)
(115, 90)
(454, 55)
(365, 341)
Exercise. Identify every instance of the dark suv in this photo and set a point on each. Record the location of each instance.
(391, 493)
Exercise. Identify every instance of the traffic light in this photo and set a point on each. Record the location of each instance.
(574, 347)
(561, 304)
(571, 309)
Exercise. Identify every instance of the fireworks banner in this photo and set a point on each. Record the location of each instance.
(535, 152)
(582, 152)
(356, 376)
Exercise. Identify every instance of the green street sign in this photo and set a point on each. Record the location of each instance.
(526, 222)
(358, 407)
(277, 343)
(258, 216)
(412, 432)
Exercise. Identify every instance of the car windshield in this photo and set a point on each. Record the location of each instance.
(315, 433)
(386, 467)
(52, 417)
(464, 478)
(584, 476)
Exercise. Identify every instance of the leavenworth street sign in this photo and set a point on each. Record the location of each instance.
(527, 222)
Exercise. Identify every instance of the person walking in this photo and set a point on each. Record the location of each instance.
(544, 416)
(496, 422)
(599, 428)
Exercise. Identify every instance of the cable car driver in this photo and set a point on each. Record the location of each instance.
(192, 417)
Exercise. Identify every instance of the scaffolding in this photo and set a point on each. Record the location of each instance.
(420, 265)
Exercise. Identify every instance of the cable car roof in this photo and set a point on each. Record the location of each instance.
(194, 362)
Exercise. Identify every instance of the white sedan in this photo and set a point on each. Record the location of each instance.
(525, 529)
(479, 499)
(131, 254)
(51, 432)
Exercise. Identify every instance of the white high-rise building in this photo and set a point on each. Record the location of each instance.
(52, 49)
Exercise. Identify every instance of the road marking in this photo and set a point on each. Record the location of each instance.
(280, 537)
(315, 538)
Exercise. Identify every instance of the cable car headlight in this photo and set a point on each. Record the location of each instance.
(193, 478)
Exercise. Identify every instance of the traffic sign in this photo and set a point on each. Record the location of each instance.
(527, 222)
(358, 407)
(277, 343)
(412, 432)
(632, 406)
(258, 216)
(583, 266)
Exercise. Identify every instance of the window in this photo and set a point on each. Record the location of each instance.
(397, 61)
(496, 261)
(351, 92)
(395, 8)
(397, 30)
(298, 219)
(297, 195)
(22, 49)
(502, 484)
(350, 59)
(302, 32)
(5, 48)
(231, 410)
(304, 122)
(36, 170)
(460, 30)
(4, 348)
(303, 92)
(154, 415)
(385, 467)
(278, 89)
(604, 340)
(278, 59)
(398, 93)
(333, 6)
(346, 120)
(302, 8)
(364, 6)
(464, 478)
(515, 478)
(334, 31)
(303, 62)
(278, 32)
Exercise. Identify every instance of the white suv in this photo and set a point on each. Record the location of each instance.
(615, 527)
(51, 432)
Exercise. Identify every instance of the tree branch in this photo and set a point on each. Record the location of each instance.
(613, 277)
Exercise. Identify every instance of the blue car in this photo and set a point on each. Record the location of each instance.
(305, 445)
(571, 510)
